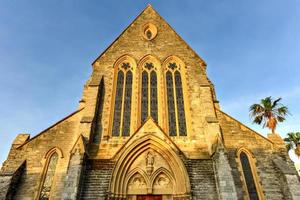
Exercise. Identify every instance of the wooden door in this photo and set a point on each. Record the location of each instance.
(149, 197)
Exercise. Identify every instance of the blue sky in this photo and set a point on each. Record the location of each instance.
(252, 49)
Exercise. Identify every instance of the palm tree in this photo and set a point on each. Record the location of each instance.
(293, 141)
(268, 113)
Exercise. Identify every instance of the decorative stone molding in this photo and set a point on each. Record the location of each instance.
(148, 164)
(149, 31)
(79, 146)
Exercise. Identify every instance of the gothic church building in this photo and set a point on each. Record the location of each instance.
(148, 127)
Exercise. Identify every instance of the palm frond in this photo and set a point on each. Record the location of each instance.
(267, 103)
(258, 120)
(268, 112)
(280, 118)
(275, 103)
(283, 110)
(255, 109)
(289, 146)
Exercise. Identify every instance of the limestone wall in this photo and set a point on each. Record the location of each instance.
(264, 151)
(60, 136)
(166, 43)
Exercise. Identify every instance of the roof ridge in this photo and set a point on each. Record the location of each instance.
(149, 6)
(56, 123)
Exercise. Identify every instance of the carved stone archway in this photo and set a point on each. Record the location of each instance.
(149, 165)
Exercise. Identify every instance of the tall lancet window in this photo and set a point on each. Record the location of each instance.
(123, 98)
(249, 174)
(49, 174)
(175, 100)
(149, 102)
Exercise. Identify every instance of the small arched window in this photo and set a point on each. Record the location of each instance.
(48, 178)
(250, 178)
(175, 99)
(123, 98)
(149, 101)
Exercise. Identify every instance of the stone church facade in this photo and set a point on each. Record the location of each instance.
(148, 127)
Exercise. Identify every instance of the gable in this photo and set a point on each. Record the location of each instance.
(149, 130)
(132, 42)
(236, 135)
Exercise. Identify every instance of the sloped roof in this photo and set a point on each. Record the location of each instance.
(148, 7)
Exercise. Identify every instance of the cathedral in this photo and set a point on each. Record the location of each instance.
(148, 127)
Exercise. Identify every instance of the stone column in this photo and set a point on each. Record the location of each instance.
(9, 182)
(74, 175)
(289, 178)
(224, 178)
(72, 183)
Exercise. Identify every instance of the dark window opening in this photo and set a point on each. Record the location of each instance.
(118, 105)
(180, 105)
(144, 98)
(171, 105)
(127, 105)
(153, 96)
(252, 191)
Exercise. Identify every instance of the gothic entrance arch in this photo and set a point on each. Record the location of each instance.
(149, 168)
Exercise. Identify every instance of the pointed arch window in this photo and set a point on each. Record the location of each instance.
(122, 104)
(48, 179)
(175, 100)
(249, 175)
(149, 101)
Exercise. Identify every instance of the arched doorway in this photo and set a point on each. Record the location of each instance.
(149, 168)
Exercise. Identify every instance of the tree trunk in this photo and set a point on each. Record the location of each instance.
(297, 150)
(273, 130)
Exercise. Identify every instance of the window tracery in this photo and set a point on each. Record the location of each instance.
(118, 104)
(144, 106)
(127, 104)
(49, 176)
(153, 96)
(149, 31)
(149, 100)
(175, 99)
(123, 99)
(171, 105)
(180, 105)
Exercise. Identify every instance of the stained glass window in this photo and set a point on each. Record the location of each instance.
(118, 104)
(49, 176)
(175, 99)
(97, 124)
(153, 96)
(144, 103)
(172, 66)
(180, 105)
(171, 104)
(149, 66)
(127, 104)
(248, 176)
(125, 66)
